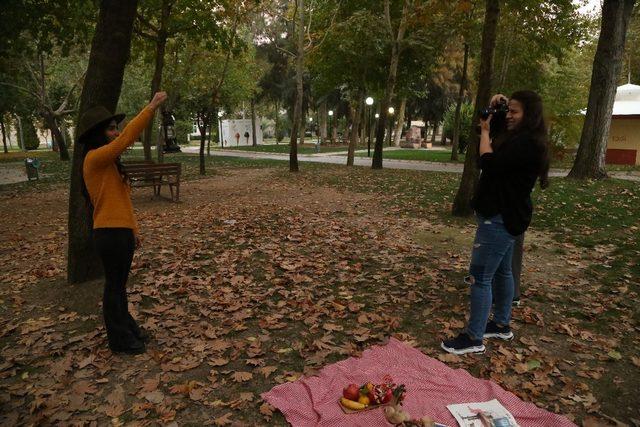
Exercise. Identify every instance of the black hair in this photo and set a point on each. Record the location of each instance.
(534, 124)
(96, 138)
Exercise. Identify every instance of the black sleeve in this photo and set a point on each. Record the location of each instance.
(521, 155)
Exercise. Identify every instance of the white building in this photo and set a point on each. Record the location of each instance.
(624, 136)
(237, 132)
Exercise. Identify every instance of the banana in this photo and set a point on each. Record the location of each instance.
(350, 404)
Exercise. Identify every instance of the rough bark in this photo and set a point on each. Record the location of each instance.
(254, 140)
(590, 159)
(470, 175)
(434, 133)
(297, 111)
(322, 120)
(56, 135)
(456, 120)
(109, 54)
(4, 134)
(276, 120)
(400, 123)
(391, 79)
(203, 124)
(356, 112)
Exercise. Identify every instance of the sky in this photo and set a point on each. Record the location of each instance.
(590, 7)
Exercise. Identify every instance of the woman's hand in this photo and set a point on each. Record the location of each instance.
(497, 98)
(158, 99)
(485, 125)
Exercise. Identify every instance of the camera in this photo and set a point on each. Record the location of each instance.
(500, 110)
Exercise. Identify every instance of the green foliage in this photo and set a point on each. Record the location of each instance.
(30, 136)
(466, 116)
(183, 128)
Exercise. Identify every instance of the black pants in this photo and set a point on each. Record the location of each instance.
(115, 247)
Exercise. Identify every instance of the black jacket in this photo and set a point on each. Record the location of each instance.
(507, 179)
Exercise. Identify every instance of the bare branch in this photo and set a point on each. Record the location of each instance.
(327, 31)
(146, 22)
(60, 110)
(387, 18)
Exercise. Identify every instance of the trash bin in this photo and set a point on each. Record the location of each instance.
(32, 166)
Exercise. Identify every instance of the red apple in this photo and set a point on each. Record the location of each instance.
(351, 392)
(387, 396)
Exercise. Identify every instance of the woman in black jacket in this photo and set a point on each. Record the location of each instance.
(502, 203)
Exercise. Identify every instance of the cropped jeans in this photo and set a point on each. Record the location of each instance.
(490, 276)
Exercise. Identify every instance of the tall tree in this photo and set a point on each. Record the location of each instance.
(470, 174)
(297, 112)
(109, 54)
(397, 36)
(607, 63)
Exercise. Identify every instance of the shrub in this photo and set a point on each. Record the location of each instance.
(466, 116)
(29, 135)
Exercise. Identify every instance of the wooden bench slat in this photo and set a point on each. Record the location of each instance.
(149, 174)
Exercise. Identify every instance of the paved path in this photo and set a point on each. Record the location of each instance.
(340, 159)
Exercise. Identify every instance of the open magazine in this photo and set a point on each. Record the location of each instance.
(482, 414)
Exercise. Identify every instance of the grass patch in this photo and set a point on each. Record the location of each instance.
(419, 154)
(284, 148)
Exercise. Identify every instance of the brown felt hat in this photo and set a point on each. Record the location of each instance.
(94, 117)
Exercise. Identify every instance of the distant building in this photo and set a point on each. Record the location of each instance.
(623, 147)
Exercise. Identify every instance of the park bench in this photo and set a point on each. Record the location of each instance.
(149, 174)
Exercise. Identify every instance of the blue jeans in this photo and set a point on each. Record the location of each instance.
(490, 275)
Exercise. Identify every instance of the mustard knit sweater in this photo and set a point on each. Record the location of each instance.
(110, 196)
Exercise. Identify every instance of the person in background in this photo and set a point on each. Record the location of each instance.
(115, 231)
(503, 207)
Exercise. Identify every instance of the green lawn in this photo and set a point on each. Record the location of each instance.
(284, 148)
(419, 154)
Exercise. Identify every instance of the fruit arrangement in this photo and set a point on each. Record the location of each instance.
(370, 395)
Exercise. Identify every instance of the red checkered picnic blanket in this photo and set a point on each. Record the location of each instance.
(431, 386)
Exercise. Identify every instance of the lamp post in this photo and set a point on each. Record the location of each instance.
(220, 135)
(391, 111)
(330, 127)
(369, 102)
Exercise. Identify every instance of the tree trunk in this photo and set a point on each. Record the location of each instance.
(203, 124)
(109, 55)
(161, 45)
(391, 82)
(590, 159)
(297, 111)
(356, 113)
(322, 120)
(254, 139)
(56, 135)
(4, 134)
(434, 133)
(469, 180)
(400, 124)
(456, 120)
(334, 129)
(275, 126)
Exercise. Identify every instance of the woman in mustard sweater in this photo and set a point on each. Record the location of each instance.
(115, 230)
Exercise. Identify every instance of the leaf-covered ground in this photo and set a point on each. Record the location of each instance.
(259, 276)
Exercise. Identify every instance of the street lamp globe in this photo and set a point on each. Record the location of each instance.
(331, 112)
(220, 113)
(377, 115)
(369, 101)
(310, 119)
(391, 110)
